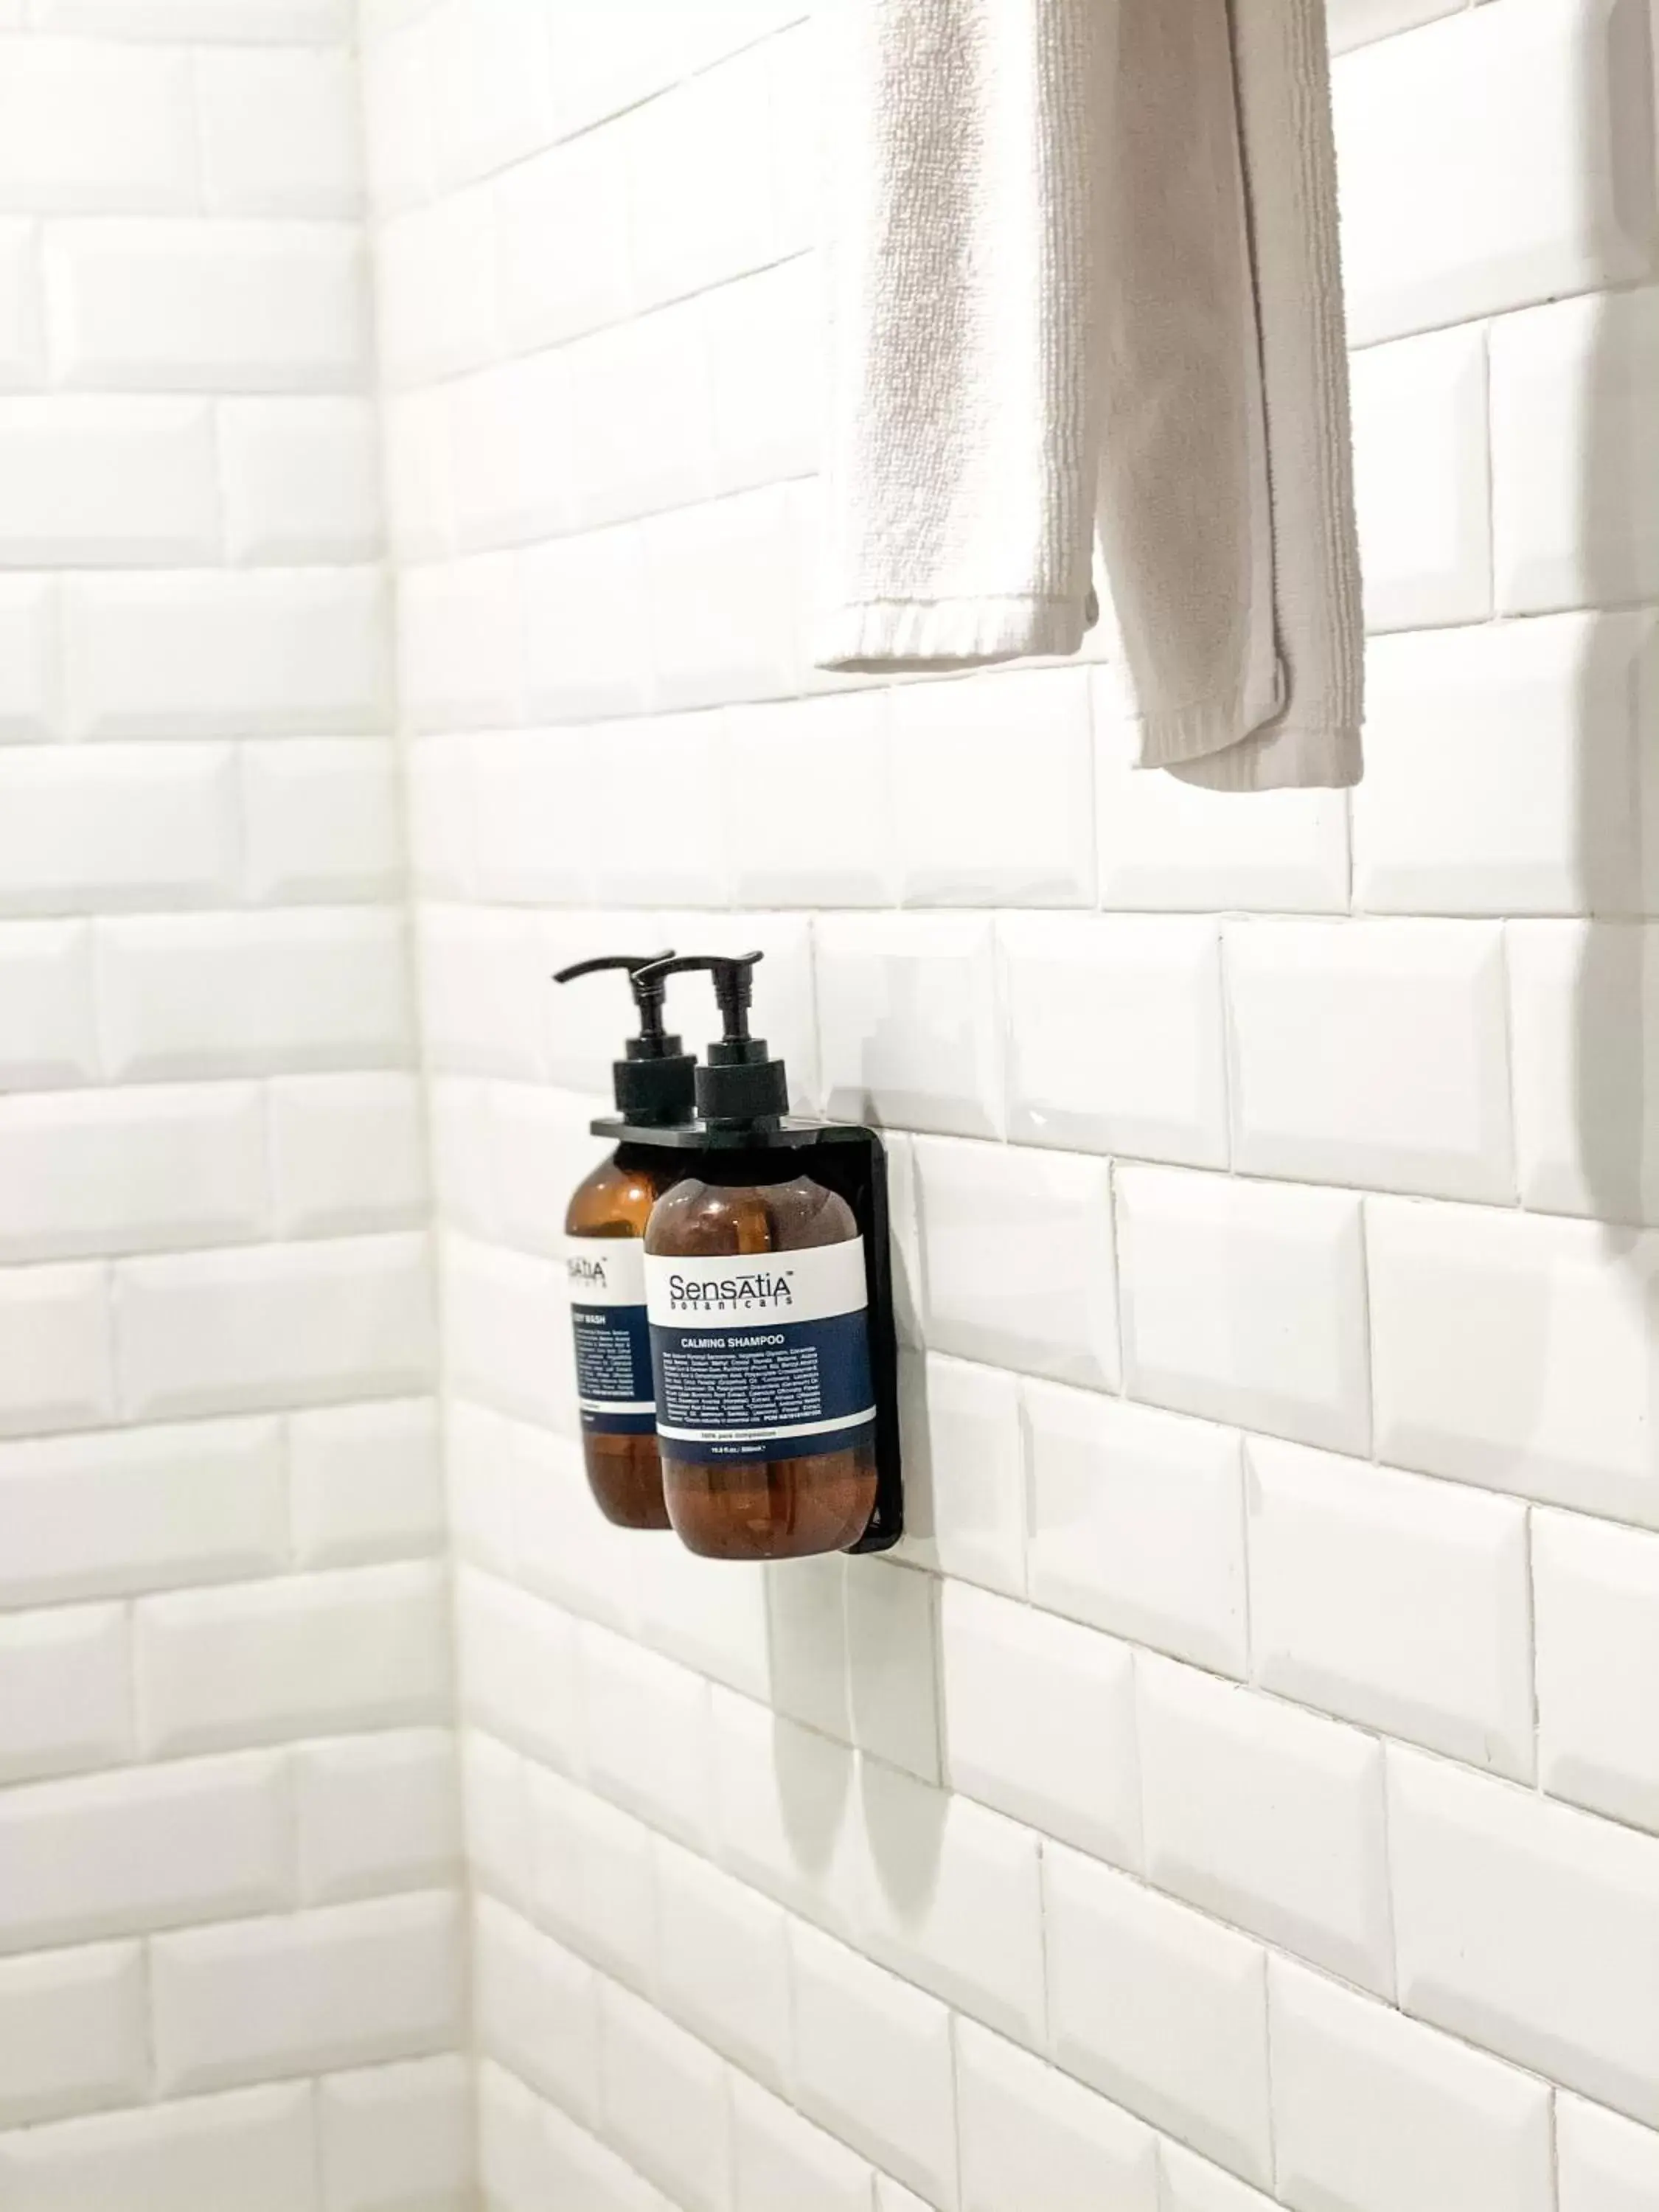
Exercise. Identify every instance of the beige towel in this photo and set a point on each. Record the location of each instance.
(1086, 279)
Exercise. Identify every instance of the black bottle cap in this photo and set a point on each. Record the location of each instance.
(740, 1085)
(653, 1082)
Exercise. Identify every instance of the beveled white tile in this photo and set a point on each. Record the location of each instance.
(1115, 1036)
(1193, 2184)
(784, 1810)
(1422, 486)
(1245, 1302)
(1357, 22)
(781, 2158)
(1532, 173)
(1371, 1053)
(1343, 1555)
(1573, 453)
(1516, 1353)
(964, 1481)
(1376, 2111)
(993, 786)
(892, 1643)
(1031, 2135)
(1597, 1591)
(722, 1965)
(1159, 2008)
(875, 2062)
(1607, 2164)
(662, 2101)
(950, 1898)
(1137, 1523)
(1270, 1817)
(807, 802)
(1173, 846)
(1584, 1030)
(908, 1020)
(1500, 760)
(1040, 1722)
(1018, 1257)
(1528, 1927)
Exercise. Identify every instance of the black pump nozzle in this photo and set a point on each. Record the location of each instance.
(653, 1082)
(741, 1084)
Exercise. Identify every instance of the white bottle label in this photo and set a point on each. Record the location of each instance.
(607, 1271)
(765, 1356)
(613, 1339)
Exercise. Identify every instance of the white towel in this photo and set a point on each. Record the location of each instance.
(1086, 279)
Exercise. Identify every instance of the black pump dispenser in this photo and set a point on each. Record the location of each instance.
(653, 1084)
(739, 1086)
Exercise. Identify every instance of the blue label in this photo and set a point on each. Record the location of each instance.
(760, 1360)
(613, 1369)
(609, 1320)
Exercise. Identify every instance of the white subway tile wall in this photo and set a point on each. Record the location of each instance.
(1242, 1787)
(1273, 1196)
(230, 1842)
(1169, 1825)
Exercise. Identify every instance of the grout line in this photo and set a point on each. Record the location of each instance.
(1367, 1328)
(1529, 1540)
(1247, 1552)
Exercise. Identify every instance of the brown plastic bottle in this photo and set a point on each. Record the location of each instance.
(603, 1225)
(619, 1447)
(755, 1281)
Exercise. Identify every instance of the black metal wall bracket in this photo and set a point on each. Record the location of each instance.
(850, 1161)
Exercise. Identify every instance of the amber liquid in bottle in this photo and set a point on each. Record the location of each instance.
(623, 1471)
(764, 1508)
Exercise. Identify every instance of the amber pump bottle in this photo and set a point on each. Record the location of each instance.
(757, 1291)
(603, 1224)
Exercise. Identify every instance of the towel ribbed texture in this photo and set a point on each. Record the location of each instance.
(1086, 283)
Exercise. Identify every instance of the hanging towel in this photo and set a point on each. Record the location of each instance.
(1086, 282)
